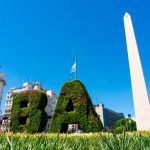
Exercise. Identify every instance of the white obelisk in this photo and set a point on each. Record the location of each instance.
(139, 90)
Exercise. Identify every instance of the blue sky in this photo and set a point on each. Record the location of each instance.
(39, 39)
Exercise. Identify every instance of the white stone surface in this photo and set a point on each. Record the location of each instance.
(139, 90)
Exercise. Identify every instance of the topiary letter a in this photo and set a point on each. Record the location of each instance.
(74, 106)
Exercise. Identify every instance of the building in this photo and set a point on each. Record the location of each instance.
(107, 116)
(139, 89)
(52, 100)
(2, 84)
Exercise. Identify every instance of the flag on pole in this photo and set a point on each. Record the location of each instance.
(73, 69)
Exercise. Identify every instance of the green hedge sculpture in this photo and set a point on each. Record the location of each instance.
(74, 106)
(28, 112)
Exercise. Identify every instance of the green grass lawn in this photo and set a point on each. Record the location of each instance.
(91, 141)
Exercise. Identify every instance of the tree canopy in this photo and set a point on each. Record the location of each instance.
(126, 124)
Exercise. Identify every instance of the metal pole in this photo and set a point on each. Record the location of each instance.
(71, 76)
(76, 68)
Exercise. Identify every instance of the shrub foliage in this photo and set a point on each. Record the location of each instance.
(74, 106)
(27, 113)
(125, 124)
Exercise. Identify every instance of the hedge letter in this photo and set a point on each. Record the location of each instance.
(74, 106)
(27, 113)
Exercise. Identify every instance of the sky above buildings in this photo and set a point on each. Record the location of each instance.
(39, 40)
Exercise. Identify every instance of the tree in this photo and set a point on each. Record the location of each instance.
(74, 106)
(125, 124)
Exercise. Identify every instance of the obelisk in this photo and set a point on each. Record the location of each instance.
(139, 90)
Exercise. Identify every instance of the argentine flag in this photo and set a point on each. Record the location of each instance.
(73, 69)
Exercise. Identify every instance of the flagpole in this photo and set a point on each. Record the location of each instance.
(70, 76)
(76, 68)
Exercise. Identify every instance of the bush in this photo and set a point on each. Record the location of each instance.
(74, 106)
(27, 113)
(125, 124)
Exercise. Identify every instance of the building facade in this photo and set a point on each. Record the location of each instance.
(107, 116)
(51, 103)
(2, 84)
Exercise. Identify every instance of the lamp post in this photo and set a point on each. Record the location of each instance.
(130, 124)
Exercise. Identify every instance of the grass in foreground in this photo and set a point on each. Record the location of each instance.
(98, 141)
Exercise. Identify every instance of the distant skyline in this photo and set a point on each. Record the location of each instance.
(39, 40)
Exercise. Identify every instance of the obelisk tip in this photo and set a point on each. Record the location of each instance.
(127, 15)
